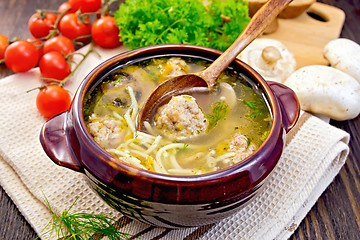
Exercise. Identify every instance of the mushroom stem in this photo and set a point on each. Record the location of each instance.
(270, 54)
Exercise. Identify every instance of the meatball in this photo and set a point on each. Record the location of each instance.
(181, 117)
(173, 67)
(107, 132)
(241, 147)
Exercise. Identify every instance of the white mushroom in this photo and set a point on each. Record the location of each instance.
(270, 58)
(326, 90)
(344, 54)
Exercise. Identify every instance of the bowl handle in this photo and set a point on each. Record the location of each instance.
(289, 104)
(59, 141)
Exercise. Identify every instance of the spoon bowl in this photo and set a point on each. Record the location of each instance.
(207, 78)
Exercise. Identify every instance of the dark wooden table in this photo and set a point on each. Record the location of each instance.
(336, 215)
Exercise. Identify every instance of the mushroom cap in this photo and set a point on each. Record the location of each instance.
(326, 90)
(344, 54)
(270, 58)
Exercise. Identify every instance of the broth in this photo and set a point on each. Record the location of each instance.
(190, 135)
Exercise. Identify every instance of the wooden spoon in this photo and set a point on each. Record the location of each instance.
(207, 78)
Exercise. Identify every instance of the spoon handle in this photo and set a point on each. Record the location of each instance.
(263, 17)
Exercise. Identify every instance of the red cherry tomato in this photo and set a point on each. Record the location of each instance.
(66, 6)
(85, 5)
(38, 44)
(72, 27)
(53, 65)
(52, 100)
(4, 43)
(59, 44)
(40, 24)
(21, 56)
(105, 33)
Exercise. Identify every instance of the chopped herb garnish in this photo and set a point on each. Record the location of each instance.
(187, 97)
(119, 79)
(248, 141)
(184, 147)
(219, 111)
(258, 108)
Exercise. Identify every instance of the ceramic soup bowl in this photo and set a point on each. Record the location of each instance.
(169, 200)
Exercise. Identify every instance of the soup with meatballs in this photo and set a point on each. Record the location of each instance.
(194, 133)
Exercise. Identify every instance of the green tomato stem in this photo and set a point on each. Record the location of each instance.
(62, 83)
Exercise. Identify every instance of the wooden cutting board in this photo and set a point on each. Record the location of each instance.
(306, 37)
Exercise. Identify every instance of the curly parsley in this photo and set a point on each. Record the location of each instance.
(151, 22)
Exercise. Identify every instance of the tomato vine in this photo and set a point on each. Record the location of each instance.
(56, 36)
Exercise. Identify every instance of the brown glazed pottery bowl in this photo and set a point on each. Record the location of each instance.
(167, 200)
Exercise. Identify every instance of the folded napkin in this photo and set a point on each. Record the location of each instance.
(314, 154)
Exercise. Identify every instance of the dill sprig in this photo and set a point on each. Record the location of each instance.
(257, 108)
(80, 225)
(219, 111)
(186, 145)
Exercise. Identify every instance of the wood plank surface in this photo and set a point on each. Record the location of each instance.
(336, 215)
(306, 35)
